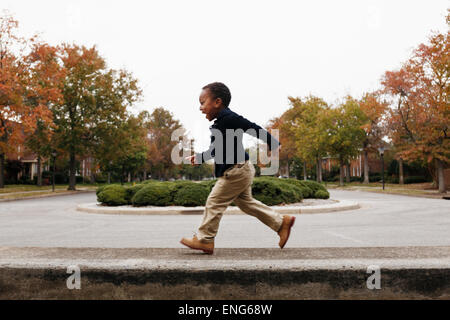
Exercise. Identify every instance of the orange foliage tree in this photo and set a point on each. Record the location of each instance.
(419, 122)
(374, 128)
(93, 97)
(160, 124)
(15, 116)
(43, 91)
(288, 149)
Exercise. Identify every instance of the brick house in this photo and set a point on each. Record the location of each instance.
(30, 164)
(356, 165)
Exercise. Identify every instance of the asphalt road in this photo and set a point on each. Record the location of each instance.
(383, 221)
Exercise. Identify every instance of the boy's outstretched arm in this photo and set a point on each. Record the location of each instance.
(242, 123)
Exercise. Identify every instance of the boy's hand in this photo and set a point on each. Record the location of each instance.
(192, 160)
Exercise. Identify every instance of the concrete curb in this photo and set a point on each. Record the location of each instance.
(174, 274)
(48, 195)
(341, 205)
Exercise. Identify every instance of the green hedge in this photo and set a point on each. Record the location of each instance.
(152, 195)
(131, 191)
(112, 195)
(269, 190)
(191, 196)
(274, 191)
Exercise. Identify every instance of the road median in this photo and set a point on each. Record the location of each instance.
(332, 206)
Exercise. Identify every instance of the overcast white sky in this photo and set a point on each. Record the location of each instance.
(264, 51)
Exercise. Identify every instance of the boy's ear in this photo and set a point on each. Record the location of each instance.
(218, 102)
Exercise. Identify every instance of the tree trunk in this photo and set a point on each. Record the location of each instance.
(288, 169)
(366, 167)
(320, 169)
(347, 176)
(436, 174)
(305, 177)
(39, 171)
(2, 170)
(401, 179)
(109, 177)
(317, 170)
(441, 179)
(129, 177)
(92, 172)
(145, 175)
(341, 172)
(72, 178)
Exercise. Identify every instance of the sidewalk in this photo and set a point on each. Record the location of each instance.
(301, 273)
(36, 194)
(392, 189)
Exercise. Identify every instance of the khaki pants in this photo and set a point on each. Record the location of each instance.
(235, 185)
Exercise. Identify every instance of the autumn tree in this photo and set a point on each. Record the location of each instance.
(373, 110)
(92, 95)
(419, 119)
(345, 133)
(43, 91)
(160, 125)
(132, 151)
(309, 120)
(14, 114)
(285, 129)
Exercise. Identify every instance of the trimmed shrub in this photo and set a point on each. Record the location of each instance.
(131, 191)
(175, 186)
(191, 195)
(320, 194)
(315, 186)
(112, 195)
(269, 190)
(101, 188)
(307, 192)
(266, 192)
(152, 194)
(273, 191)
(209, 184)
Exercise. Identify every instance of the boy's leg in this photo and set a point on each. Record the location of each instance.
(226, 189)
(280, 224)
(253, 207)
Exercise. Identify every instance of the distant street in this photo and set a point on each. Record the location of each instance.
(383, 221)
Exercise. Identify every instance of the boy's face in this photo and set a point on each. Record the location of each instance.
(209, 106)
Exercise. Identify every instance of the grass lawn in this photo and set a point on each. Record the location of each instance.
(26, 188)
(20, 191)
(22, 188)
(414, 189)
(26, 194)
(26, 191)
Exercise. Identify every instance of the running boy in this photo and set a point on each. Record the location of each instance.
(235, 176)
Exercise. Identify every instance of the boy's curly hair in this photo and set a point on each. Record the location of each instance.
(219, 90)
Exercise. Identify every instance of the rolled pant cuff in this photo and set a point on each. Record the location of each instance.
(203, 240)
